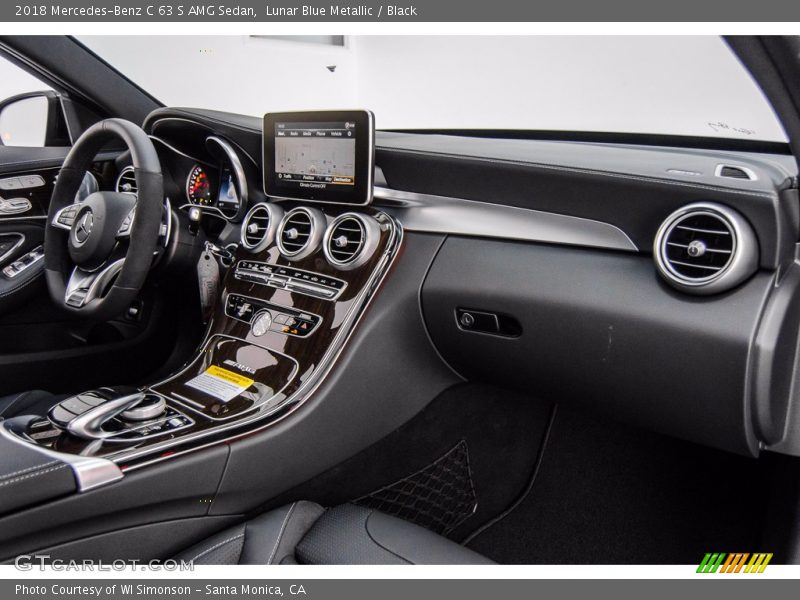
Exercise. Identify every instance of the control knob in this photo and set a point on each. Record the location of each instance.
(262, 323)
(150, 407)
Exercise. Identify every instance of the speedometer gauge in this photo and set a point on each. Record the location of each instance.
(198, 187)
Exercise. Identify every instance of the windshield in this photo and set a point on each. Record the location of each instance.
(674, 85)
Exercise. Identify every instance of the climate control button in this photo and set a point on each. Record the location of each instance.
(262, 316)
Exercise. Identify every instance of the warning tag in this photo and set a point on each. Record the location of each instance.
(220, 383)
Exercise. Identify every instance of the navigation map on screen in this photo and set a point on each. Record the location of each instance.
(315, 153)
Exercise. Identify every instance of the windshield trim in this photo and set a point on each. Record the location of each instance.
(608, 137)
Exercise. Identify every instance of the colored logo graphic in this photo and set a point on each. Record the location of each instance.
(720, 562)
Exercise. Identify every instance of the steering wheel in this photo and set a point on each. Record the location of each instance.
(98, 251)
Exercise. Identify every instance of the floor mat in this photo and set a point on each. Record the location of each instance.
(439, 497)
(608, 493)
(501, 432)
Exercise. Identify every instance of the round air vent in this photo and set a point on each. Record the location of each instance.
(259, 225)
(351, 240)
(706, 248)
(126, 182)
(300, 232)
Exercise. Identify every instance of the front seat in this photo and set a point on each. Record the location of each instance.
(34, 402)
(306, 533)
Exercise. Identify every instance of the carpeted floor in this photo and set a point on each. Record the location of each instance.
(502, 432)
(603, 492)
(609, 493)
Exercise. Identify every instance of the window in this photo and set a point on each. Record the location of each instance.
(24, 107)
(678, 85)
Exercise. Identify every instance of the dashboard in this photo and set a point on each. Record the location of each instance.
(206, 186)
(208, 172)
(293, 283)
(673, 266)
(313, 160)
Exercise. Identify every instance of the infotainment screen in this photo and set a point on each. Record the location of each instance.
(325, 156)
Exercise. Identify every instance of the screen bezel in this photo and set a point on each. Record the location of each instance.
(361, 192)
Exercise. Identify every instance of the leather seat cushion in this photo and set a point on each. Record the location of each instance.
(305, 533)
(268, 539)
(33, 402)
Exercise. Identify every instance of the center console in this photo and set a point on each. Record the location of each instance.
(300, 279)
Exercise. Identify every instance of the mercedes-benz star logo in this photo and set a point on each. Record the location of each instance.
(84, 227)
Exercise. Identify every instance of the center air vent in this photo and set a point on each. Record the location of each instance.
(300, 232)
(706, 248)
(126, 182)
(351, 240)
(259, 225)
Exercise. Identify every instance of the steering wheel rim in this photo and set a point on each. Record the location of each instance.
(80, 277)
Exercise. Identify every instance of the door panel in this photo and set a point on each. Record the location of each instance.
(24, 197)
(41, 345)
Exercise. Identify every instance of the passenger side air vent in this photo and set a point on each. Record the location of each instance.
(351, 240)
(126, 182)
(735, 172)
(259, 225)
(300, 232)
(706, 248)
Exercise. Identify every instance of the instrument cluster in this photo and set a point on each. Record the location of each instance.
(218, 188)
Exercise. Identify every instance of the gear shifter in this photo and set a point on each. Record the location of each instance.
(119, 414)
(65, 411)
(89, 425)
(84, 415)
(87, 422)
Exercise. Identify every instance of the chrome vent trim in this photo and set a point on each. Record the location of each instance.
(705, 248)
(259, 226)
(126, 181)
(300, 232)
(351, 240)
(728, 171)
